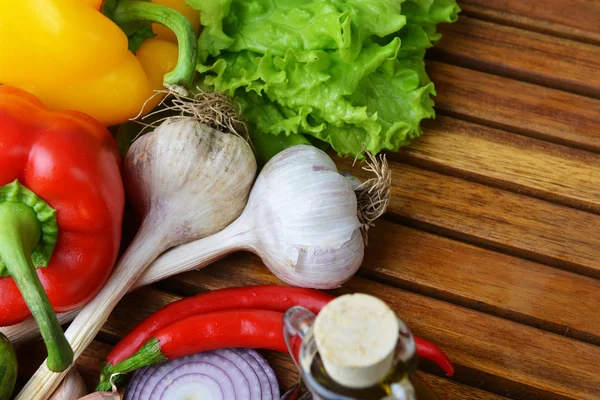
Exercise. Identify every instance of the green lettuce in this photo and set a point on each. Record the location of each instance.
(349, 73)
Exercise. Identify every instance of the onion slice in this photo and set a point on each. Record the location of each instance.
(225, 374)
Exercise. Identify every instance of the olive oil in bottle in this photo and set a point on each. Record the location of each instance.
(356, 348)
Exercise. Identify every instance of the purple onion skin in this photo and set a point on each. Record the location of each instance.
(268, 371)
(229, 374)
(263, 379)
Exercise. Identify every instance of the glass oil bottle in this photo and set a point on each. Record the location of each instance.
(392, 378)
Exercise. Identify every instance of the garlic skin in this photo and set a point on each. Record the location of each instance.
(102, 396)
(173, 181)
(301, 219)
(305, 219)
(72, 387)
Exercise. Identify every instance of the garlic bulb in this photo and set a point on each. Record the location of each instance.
(309, 205)
(304, 215)
(72, 387)
(301, 219)
(187, 181)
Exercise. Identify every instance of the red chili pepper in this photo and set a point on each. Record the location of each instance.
(253, 329)
(274, 298)
(141, 344)
(256, 329)
(61, 208)
(429, 351)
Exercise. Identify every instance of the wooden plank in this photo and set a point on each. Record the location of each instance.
(499, 352)
(147, 301)
(519, 224)
(576, 19)
(450, 390)
(533, 57)
(491, 353)
(533, 110)
(552, 172)
(505, 286)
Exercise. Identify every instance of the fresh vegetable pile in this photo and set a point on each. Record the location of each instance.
(346, 72)
(268, 83)
(245, 317)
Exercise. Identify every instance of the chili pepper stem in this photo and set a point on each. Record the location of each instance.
(20, 232)
(148, 354)
(182, 76)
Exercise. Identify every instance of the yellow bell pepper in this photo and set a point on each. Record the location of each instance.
(72, 57)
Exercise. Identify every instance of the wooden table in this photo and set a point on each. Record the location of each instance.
(491, 246)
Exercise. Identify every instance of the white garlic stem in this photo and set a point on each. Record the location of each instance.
(189, 181)
(145, 248)
(301, 219)
(72, 387)
(199, 253)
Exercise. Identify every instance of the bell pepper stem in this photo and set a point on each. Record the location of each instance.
(20, 232)
(182, 76)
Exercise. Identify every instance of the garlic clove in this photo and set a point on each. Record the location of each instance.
(102, 396)
(72, 387)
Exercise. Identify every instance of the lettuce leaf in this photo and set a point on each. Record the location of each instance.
(346, 72)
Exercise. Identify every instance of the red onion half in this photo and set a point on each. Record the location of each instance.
(226, 374)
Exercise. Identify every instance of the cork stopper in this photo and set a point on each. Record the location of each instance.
(356, 337)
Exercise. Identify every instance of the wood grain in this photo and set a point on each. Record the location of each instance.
(502, 354)
(450, 390)
(515, 223)
(528, 109)
(510, 287)
(576, 19)
(147, 300)
(552, 172)
(492, 353)
(90, 362)
(519, 54)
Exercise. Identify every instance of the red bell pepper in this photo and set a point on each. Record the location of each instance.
(61, 209)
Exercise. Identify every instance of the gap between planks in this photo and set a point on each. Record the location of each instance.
(498, 284)
(518, 107)
(525, 226)
(500, 159)
(548, 18)
(519, 54)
